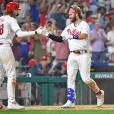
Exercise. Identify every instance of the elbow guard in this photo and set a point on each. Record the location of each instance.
(55, 38)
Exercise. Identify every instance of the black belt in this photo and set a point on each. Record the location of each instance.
(1, 43)
(79, 51)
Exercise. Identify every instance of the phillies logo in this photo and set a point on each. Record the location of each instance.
(73, 32)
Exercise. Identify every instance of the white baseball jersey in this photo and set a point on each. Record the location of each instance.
(8, 28)
(81, 62)
(71, 30)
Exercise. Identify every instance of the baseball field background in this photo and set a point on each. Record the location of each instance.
(79, 109)
(59, 112)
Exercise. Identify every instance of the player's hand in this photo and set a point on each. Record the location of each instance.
(39, 30)
(42, 30)
(45, 32)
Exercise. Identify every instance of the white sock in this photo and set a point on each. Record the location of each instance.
(10, 90)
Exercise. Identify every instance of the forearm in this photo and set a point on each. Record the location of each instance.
(25, 33)
(83, 36)
(55, 38)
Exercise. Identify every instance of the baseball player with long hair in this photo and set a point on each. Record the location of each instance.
(77, 34)
(8, 29)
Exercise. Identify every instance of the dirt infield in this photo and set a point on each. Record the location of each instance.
(78, 107)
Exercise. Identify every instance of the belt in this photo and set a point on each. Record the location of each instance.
(1, 43)
(79, 51)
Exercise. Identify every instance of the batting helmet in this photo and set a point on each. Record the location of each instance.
(12, 6)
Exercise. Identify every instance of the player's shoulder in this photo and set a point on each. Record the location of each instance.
(69, 25)
(4, 18)
(84, 22)
(12, 18)
(9, 18)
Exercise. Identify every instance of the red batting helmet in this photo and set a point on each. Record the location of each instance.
(12, 6)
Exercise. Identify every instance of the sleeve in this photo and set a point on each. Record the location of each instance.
(21, 33)
(14, 25)
(55, 38)
(85, 28)
(64, 34)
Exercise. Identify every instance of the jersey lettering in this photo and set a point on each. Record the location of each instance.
(1, 29)
(73, 32)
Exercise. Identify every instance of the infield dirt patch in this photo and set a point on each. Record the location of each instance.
(78, 107)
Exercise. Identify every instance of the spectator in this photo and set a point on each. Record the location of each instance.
(51, 26)
(101, 17)
(1, 7)
(34, 11)
(43, 65)
(43, 13)
(112, 4)
(25, 9)
(24, 46)
(59, 17)
(98, 43)
(61, 53)
(16, 50)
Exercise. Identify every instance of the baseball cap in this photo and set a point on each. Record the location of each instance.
(31, 62)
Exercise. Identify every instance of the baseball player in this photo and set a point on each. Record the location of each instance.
(79, 59)
(8, 29)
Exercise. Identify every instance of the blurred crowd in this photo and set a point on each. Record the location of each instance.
(40, 56)
(44, 56)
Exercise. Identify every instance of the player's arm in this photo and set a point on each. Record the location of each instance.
(38, 31)
(15, 27)
(21, 33)
(83, 36)
(55, 38)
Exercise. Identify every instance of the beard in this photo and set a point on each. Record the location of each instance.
(73, 19)
(17, 14)
(13, 14)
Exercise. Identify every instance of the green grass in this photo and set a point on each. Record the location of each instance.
(56, 111)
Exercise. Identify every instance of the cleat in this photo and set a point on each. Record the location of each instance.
(100, 99)
(14, 105)
(68, 104)
(70, 99)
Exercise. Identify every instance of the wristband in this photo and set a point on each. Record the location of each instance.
(36, 32)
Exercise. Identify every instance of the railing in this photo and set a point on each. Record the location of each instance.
(47, 85)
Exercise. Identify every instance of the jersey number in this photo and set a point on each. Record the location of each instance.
(1, 29)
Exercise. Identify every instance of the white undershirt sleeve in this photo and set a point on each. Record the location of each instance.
(21, 33)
